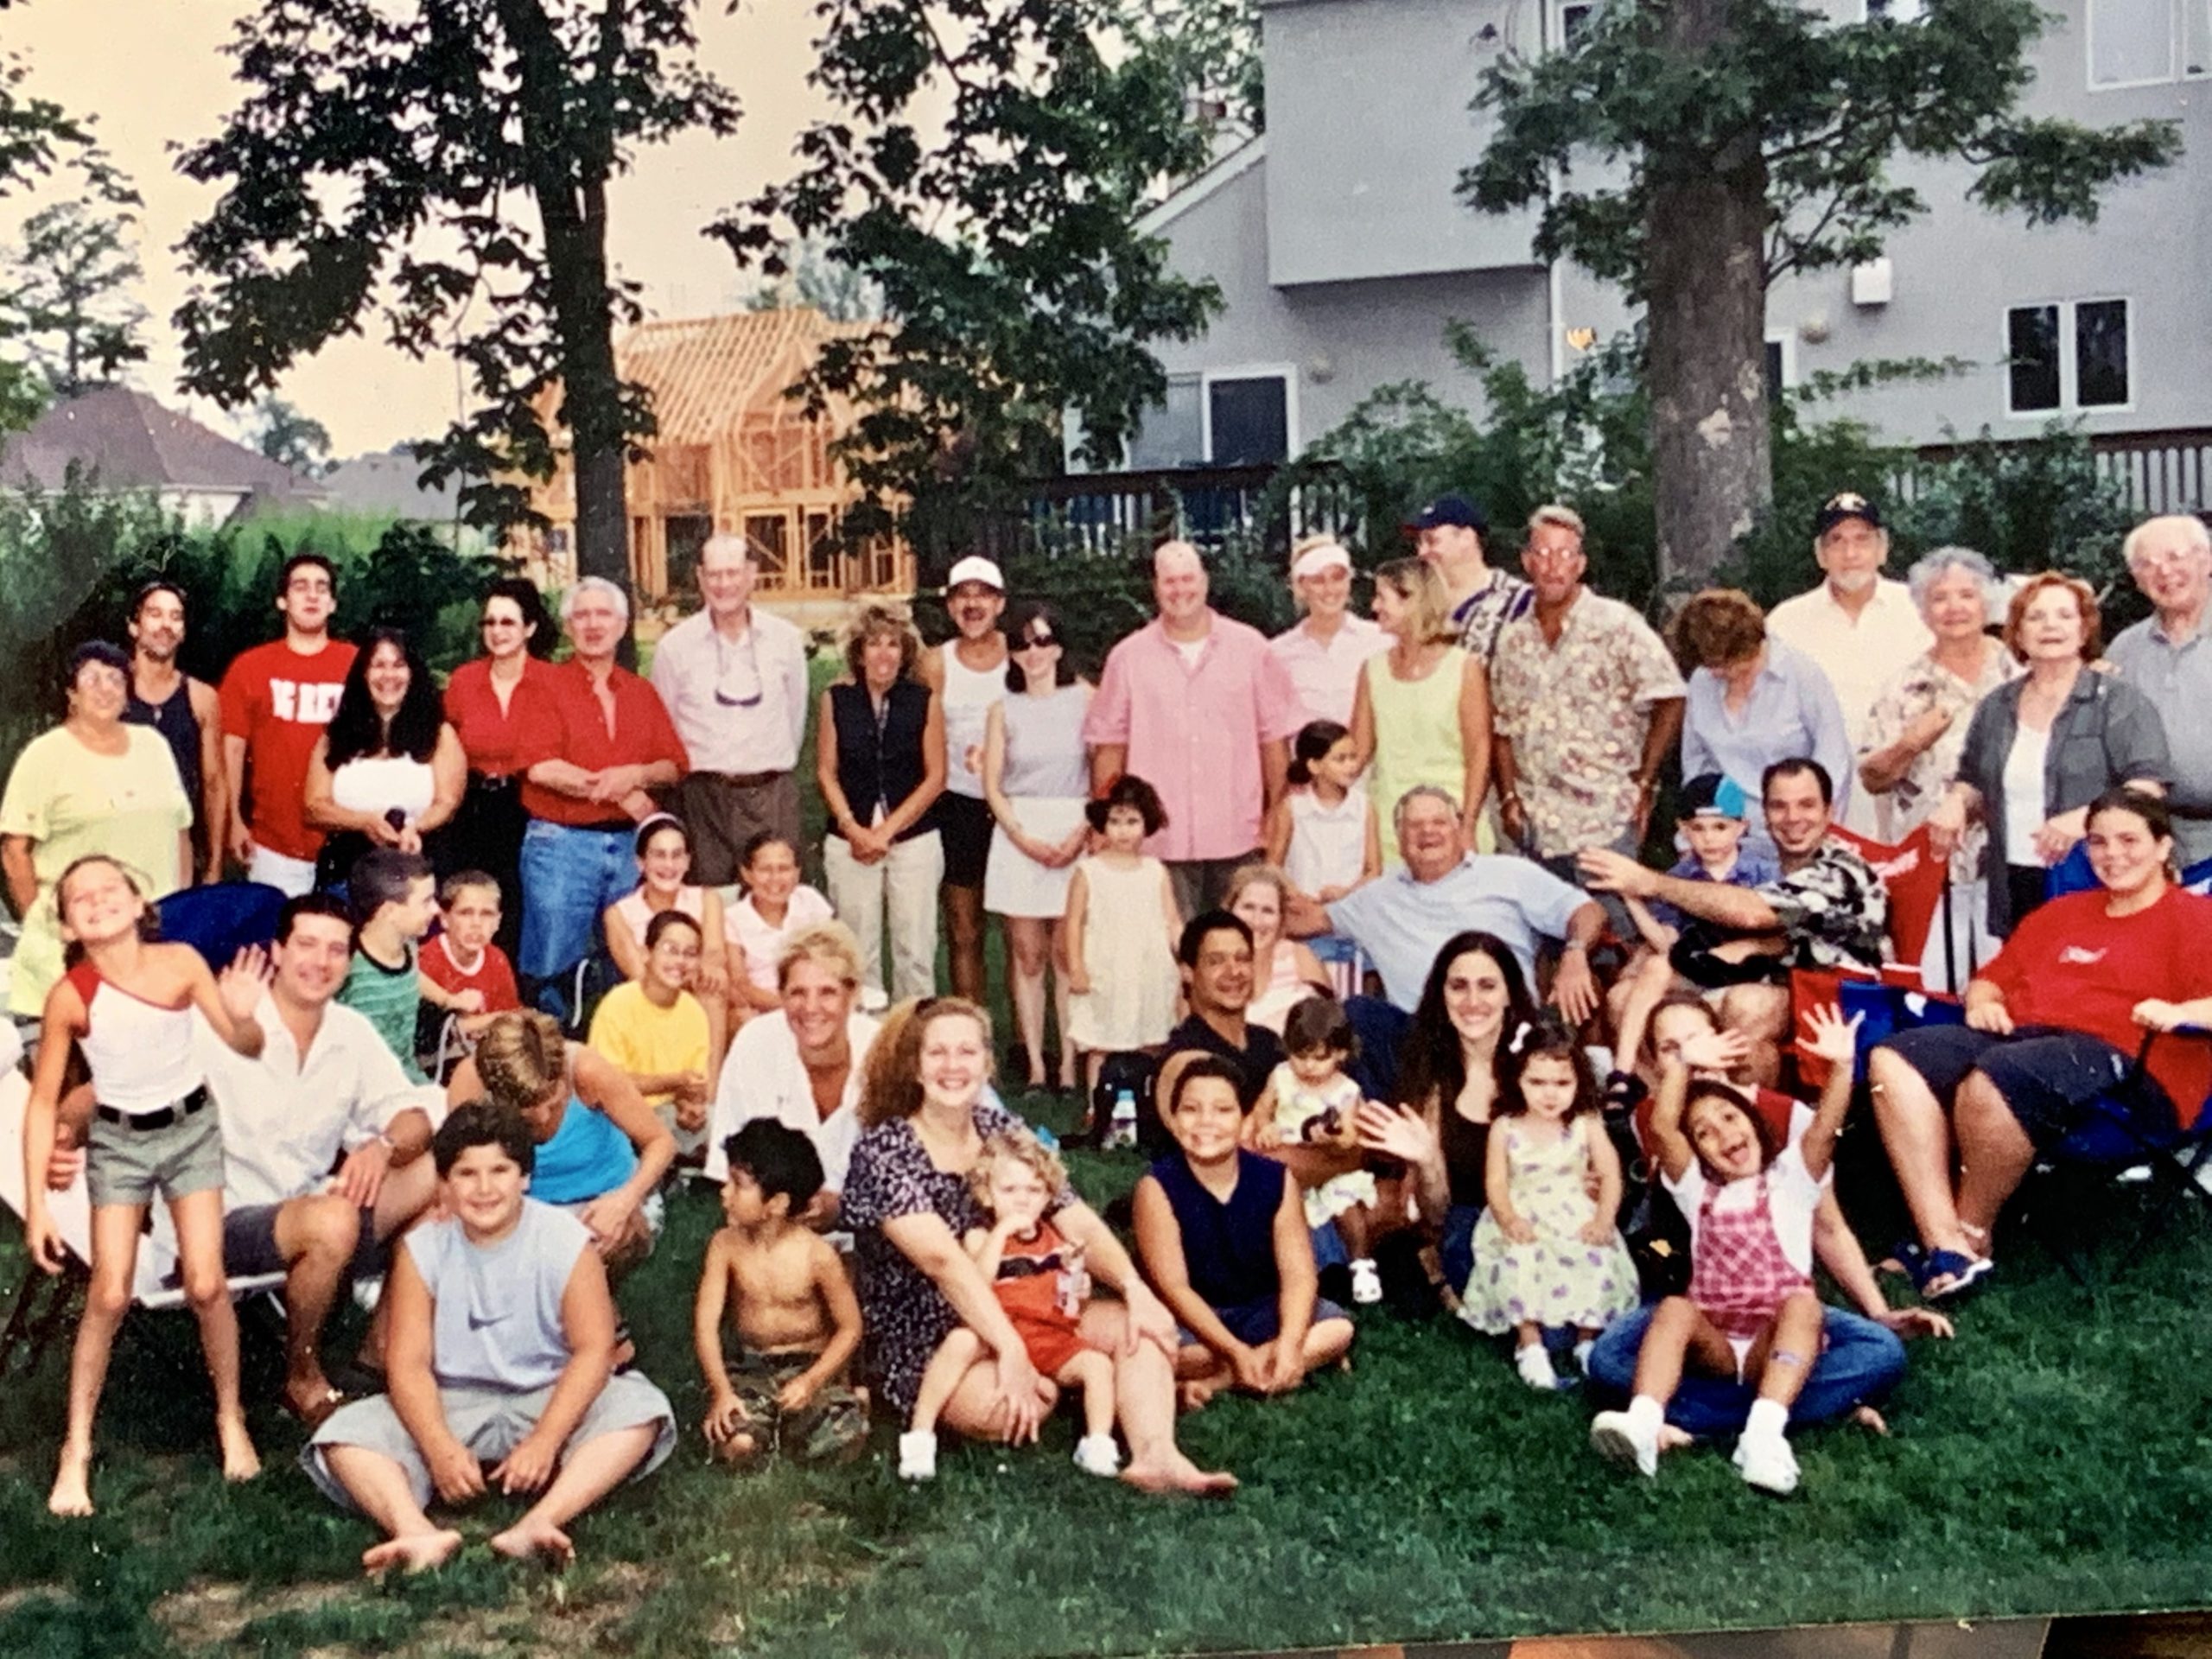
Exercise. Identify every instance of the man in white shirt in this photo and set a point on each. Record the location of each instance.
(1860, 627)
(734, 680)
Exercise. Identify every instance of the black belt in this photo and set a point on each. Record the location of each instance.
(495, 783)
(747, 780)
(160, 1120)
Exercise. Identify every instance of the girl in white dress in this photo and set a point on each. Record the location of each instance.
(1122, 926)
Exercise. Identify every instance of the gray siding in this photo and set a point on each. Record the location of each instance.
(1343, 251)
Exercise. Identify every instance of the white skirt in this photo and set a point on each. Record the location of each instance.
(1016, 885)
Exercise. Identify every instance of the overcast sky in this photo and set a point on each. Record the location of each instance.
(153, 72)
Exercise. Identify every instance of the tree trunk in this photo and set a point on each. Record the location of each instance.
(570, 191)
(1704, 271)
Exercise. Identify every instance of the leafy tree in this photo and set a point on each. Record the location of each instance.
(811, 277)
(291, 437)
(984, 163)
(443, 165)
(39, 138)
(1735, 140)
(1211, 48)
(67, 295)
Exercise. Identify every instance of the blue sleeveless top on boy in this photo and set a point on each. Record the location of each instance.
(587, 1156)
(1229, 1250)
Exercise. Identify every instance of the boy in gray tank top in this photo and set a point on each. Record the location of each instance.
(501, 1353)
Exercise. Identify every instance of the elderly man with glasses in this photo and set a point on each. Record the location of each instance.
(2168, 655)
(734, 679)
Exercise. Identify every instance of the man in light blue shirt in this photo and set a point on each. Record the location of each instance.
(2168, 658)
(1400, 920)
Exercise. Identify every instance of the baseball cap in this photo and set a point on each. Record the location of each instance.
(975, 567)
(1845, 503)
(1710, 794)
(1454, 510)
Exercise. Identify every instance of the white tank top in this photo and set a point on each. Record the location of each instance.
(969, 695)
(1328, 845)
(141, 1053)
(378, 783)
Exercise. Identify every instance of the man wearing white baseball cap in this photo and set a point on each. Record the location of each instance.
(968, 673)
(1322, 651)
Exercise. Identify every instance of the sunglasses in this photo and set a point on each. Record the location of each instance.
(1035, 641)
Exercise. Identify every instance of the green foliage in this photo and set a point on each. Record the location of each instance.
(984, 167)
(67, 295)
(375, 170)
(71, 564)
(2029, 504)
(291, 437)
(1590, 131)
(39, 140)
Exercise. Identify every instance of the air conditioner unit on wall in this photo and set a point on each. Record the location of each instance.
(1872, 283)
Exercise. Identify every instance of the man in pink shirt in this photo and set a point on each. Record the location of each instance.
(1195, 705)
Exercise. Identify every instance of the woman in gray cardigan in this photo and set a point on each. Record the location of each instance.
(2041, 748)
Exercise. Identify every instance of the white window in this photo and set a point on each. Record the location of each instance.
(2067, 356)
(1568, 19)
(2144, 42)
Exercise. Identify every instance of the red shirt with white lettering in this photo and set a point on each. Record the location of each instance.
(563, 719)
(493, 975)
(2068, 963)
(279, 700)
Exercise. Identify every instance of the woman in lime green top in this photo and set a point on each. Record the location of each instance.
(91, 784)
(1422, 714)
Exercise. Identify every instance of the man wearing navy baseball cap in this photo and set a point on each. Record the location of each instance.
(1861, 627)
(1448, 533)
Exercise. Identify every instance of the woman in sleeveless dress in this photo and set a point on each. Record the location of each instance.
(1423, 716)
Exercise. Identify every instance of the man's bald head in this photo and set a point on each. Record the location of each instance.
(1178, 584)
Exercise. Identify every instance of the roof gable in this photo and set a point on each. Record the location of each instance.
(133, 442)
(706, 372)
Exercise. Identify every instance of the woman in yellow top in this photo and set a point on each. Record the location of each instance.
(1422, 714)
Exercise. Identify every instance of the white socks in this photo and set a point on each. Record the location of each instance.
(1536, 1366)
(918, 1455)
(1767, 1417)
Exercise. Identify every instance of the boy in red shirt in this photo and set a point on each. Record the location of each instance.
(464, 973)
(276, 699)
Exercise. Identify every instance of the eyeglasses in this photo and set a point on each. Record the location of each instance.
(500, 622)
(735, 689)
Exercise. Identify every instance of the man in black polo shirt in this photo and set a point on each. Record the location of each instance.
(1215, 951)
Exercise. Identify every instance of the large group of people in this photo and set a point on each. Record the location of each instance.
(1358, 919)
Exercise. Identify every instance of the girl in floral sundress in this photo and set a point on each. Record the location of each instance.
(1547, 1253)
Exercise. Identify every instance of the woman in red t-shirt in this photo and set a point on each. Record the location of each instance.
(2052, 1027)
(482, 707)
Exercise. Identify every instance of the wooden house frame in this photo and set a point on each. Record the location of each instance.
(732, 455)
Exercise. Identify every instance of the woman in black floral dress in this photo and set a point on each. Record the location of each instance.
(907, 1199)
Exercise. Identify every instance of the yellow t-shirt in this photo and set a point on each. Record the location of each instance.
(629, 1032)
(67, 802)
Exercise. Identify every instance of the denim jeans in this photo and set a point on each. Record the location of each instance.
(1861, 1363)
(568, 876)
(901, 890)
(1456, 1249)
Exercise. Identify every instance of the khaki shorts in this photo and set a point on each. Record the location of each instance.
(491, 1423)
(124, 1165)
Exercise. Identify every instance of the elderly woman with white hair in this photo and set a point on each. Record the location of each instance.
(591, 743)
(1918, 723)
(1324, 650)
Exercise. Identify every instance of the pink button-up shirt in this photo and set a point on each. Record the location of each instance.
(1194, 731)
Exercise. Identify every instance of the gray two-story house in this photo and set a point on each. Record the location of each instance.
(1341, 250)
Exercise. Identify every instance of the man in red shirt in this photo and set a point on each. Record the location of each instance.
(590, 745)
(276, 699)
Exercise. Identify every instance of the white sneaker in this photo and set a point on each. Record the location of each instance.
(1767, 1463)
(918, 1456)
(1536, 1366)
(1366, 1282)
(1096, 1454)
(1614, 1436)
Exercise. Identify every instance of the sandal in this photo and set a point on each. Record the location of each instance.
(1908, 1256)
(1961, 1274)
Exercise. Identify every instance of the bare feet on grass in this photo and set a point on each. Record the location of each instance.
(240, 1460)
(527, 1538)
(1177, 1473)
(72, 1493)
(416, 1552)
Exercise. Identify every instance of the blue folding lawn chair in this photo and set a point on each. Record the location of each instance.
(221, 921)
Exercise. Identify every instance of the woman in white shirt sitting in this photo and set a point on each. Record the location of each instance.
(388, 771)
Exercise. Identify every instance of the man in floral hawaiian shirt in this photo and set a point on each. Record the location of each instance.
(1586, 703)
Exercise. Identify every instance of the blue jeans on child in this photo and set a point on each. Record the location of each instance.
(1862, 1362)
(568, 876)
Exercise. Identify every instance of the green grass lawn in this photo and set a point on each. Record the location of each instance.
(2056, 1458)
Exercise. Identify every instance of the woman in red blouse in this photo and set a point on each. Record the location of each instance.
(2052, 1025)
(480, 705)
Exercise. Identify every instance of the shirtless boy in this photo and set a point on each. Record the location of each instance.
(790, 1305)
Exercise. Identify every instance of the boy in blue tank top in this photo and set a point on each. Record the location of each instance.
(501, 1362)
(1222, 1234)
